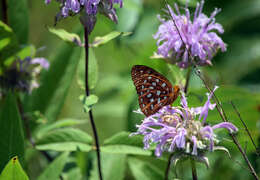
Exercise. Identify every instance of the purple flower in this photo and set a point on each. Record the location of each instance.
(180, 129)
(89, 8)
(23, 74)
(197, 37)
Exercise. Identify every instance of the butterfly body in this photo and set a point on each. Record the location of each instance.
(153, 89)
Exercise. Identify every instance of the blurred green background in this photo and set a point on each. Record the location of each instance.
(236, 71)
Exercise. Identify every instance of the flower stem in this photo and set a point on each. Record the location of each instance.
(193, 169)
(4, 11)
(166, 177)
(90, 112)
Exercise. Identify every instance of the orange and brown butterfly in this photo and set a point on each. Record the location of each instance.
(153, 89)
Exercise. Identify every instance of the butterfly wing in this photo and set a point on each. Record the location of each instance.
(153, 89)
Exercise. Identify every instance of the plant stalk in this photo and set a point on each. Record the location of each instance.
(193, 169)
(92, 122)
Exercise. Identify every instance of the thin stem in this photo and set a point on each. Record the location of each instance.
(167, 172)
(4, 11)
(218, 105)
(90, 112)
(187, 81)
(193, 169)
(244, 124)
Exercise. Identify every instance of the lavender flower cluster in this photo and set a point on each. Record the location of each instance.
(197, 36)
(182, 129)
(90, 9)
(23, 74)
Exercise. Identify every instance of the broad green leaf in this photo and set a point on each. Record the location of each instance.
(45, 128)
(122, 143)
(18, 18)
(13, 171)
(8, 43)
(11, 131)
(65, 135)
(66, 36)
(54, 85)
(54, 170)
(125, 149)
(65, 146)
(129, 15)
(92, 70)
(113, 167)
(133, 118)
(98, 41)
(144, 171)
(125, 139)
(88, 101)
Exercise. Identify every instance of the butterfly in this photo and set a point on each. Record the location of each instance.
(154, 90)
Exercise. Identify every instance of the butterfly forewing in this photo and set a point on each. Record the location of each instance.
(153, 89)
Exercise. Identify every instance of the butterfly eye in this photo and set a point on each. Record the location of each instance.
(154, 90)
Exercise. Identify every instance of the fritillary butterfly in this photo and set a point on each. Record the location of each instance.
(153, 89)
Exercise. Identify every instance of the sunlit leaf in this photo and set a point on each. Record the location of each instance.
(65, 146)
(13, 171)
(11, 131)
(66, 36)
(65, 135)
(98, 41)
(88, 101)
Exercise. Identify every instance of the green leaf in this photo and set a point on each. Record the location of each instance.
(11, 131)
(50, 96)
(66, 36)
(88, 101)
(113, 167)
(144, 171)
(18, 18)
(121, 143)
(54, 170)
(44, 129)
(92, 70)
(124, 138)
(125, 149)
(98, 41)
(65, 135)
(65, 146)
(13, 171)
(8, 43)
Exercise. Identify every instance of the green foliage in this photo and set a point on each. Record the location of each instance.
(54, 170)
(121, 143)
(98, 41)
(92, 71)
(11, 131)
(66, 36)
(8, 43)
(13, 171)
(55, 82)
(88, 101)
(113, 167)
(18, 18)
(144, 171)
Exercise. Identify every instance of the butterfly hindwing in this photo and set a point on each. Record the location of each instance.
(153, 89)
